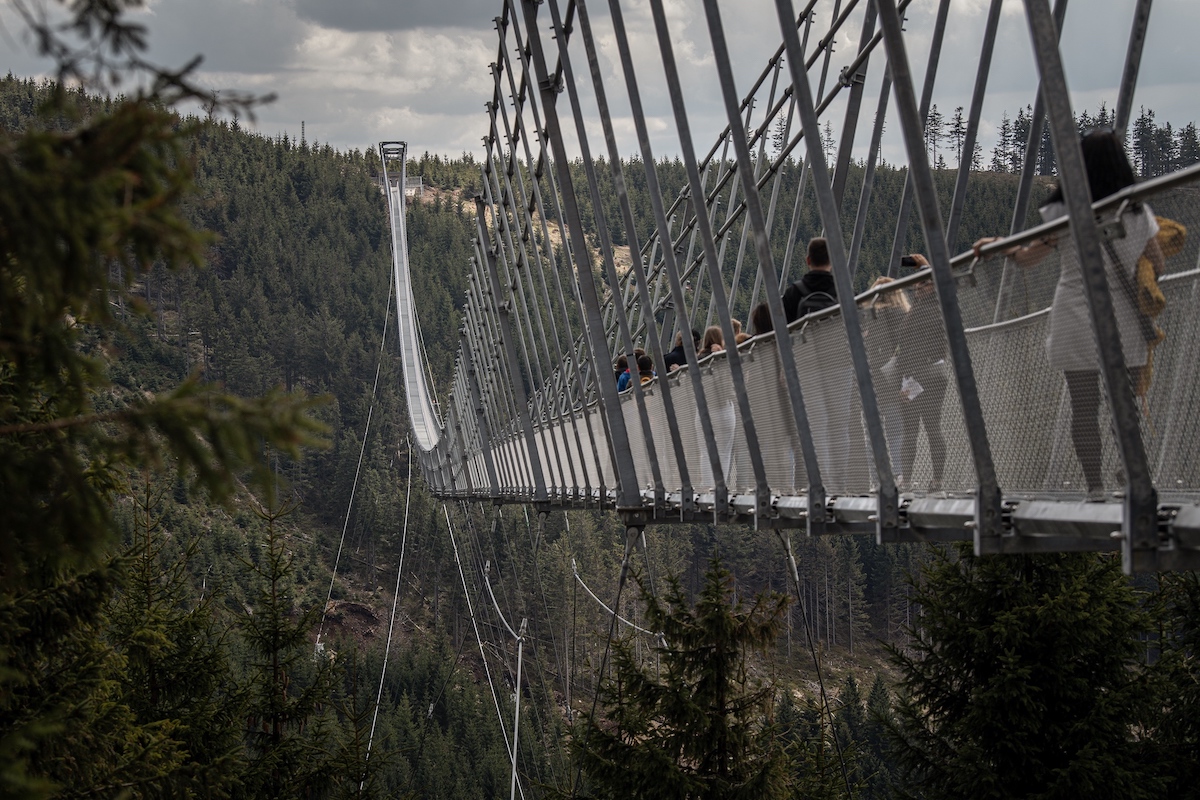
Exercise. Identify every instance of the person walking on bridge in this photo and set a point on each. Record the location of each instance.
(830, 398)
(1071, 344)
(816, 290)
(924, 376)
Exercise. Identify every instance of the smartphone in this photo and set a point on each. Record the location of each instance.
(908, 261)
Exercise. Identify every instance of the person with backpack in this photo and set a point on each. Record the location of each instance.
(816, 290)
(676, 358)
(829, 394)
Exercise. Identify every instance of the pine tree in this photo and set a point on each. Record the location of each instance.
(1187, 147)
(935, 132)
(1165, 156)
(778, 137)
(699, 727)
(817, 773)
(287, 748)
(958, 135)
(1002, 152)
(876, 759)
(1047, 163)
(1020, 138)
(1143, 142)
(175, 669)
(1022, 681)
(852, 604)
(1176, 733)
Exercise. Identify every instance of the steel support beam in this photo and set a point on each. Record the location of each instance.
(1140, 525)
(989, 522)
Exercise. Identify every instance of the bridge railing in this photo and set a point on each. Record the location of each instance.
(926, 406)
(1025, 401)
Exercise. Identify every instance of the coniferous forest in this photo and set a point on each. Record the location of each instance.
(207, 492)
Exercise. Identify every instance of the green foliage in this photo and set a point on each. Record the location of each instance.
(83, 214)
(1024, 679)
(286, 687)
(90, 203)
(817, 773)
(154, 645)
(175, 664)
(698, 726)
(1175, 732)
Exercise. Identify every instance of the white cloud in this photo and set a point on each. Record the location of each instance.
(359, 71)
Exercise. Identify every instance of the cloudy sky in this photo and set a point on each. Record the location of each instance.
(360, 71)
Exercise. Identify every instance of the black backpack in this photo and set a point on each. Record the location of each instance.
(813, 302)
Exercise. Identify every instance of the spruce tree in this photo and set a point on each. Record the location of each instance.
(876, 762)
(935, 133)
(1002, 152)
(816, 771)
(1187, 148)
(697, 725)
(175, 671)
(1176, 731)
(1023, 679)
(958, 135)
(287, 745)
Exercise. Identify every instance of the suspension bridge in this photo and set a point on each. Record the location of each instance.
(804, 425)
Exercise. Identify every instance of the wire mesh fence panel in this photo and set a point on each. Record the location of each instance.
(773, 418)
(684, 398)
(637, 440)
(667, 465)
(727, 429)
(1173, 400)
(1046, 409)
(831, 399)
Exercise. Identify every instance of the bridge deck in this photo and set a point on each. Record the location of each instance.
(755, 433)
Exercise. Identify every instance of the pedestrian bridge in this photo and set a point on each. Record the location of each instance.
(923, 409)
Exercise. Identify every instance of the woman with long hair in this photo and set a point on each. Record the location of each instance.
(1071, 345)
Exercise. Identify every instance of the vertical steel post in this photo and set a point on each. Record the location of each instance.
(628, 494)
(1139, 527)
(968, 145)
(1133, 62)
(935, 54)
(868, 186)
(653, 339)
(505, 385)
(827, 205)
(477, 334)
(624, 334)
(720, 491)
(536, 171)
(501, 198)
(485, 433)
(855, 81)
(525, 226)
(762, 490)
(510, 348)
(1033, 146)
(988, 520)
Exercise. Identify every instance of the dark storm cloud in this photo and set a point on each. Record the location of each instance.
(390, 15)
